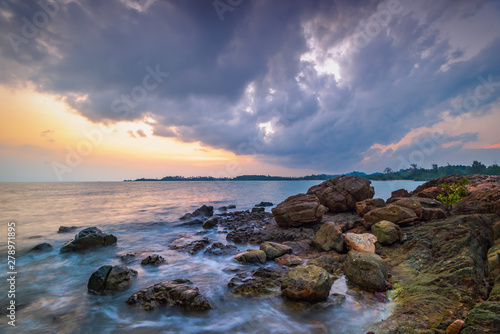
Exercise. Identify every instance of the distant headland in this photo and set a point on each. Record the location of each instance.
(413, 173)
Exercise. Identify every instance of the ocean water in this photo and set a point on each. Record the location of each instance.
(51, 288)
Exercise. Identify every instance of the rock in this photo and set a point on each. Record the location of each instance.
(412, 204)
(496, 230)
(219, 248)
(309, 283)
(263, 282)
(299, 246)
(154, 260)
(386, 232)
(299, 210)
(251, 256)
(232, 206)
(193, 222)
(342, 192)
(366, 270)
(483, 197)
(392, 212)
(222, 208)
(41, 247)
(211, 222)
(363, 207)
(127, 258)
(66, 229)
(455, 327)
(90, 237)
(288, 260)
(344, 220)
(334, 300)
(431, 192)
(399, 193)
(493, 257)
(184, 244)
(204, 211)
(263, 204)
(329, 237)
(274, 249)
(360, 242)
(108, 279)
(258, 210)
(332, 262)
(440, 271)
(177, 292)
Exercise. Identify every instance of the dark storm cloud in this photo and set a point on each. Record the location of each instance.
(220, 82)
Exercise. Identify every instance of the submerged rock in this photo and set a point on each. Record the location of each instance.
(66, 229)
(251, 256)
(274, 249)
(184, 244)
(202, 211)
(342, 192)
(45, 246)
(329, 237)
(386, 232)
(108, 279)
(90, 237)
(366, 270)
(153, 260)
(211, 222)
(309, 283)
(177, 292)
(334, 300)
(263, 204)
(258, 210)
(219, 248)
(297, 210)
(360, 242)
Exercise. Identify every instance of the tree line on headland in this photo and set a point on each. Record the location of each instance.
(412, 173)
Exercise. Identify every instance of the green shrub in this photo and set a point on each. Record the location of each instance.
(454, 193)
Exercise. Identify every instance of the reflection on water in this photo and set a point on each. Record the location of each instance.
(51, 288)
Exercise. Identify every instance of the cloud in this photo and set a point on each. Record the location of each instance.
(48, 135)
(226, 79)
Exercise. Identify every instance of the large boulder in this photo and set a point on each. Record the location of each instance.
(342, 192)
(392, 212)
(386, 232)
(108, 279)
(425, 208)
(364, 242)
(177, 292)
(363, 207)
(90, 237)
(367, 270)
(297, 210)
(251, 256)
(274, 249)
(329, 237)
(309, 283)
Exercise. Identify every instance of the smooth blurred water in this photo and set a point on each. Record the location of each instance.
(51, 288)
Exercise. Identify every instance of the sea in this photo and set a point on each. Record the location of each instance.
(51, 288)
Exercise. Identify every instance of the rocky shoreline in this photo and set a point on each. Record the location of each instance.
(439, 267)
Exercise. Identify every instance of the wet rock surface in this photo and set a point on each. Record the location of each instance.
(274, 249)
(251, 256)
(153, 260)
(218, 248)
(185, 244)
(263, 282)
(108, 279)
(66, 229)
(178, 292)
(89, 238)
(308, 283)
(43, 247)
(288, 260)
(367, 270)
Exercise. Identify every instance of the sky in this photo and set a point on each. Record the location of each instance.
(123, 89)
